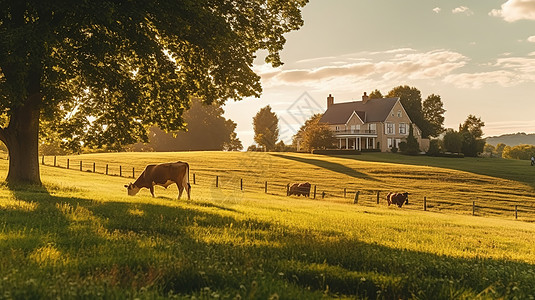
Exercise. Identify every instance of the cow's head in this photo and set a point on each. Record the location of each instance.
(132, 189)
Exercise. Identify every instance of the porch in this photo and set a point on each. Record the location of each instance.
(356, 141)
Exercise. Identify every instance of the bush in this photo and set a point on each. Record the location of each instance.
(394, 150)
(434, 148)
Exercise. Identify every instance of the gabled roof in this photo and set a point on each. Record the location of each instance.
(374, 110)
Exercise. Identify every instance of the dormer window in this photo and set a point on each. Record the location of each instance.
(399, 114)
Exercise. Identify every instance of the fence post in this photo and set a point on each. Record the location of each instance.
(378, 196)
(216, 181)
(473, 208)
(344, 192)
(120, 171)
(425, 203)
(133, 172)
(106, 169)
(356, 200)
(54, 160)
(516, 212)
(314, 191)
(68, 162)
(265, 188)
(93, 167)
(80, 165)
(288, 189)
(43, 160)
(241, 184)
(323, 195)
(193, 178)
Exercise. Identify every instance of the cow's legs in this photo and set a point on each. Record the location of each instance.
(188, 190)
(152, 190)
(180, 190)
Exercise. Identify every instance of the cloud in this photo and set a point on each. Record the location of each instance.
(531, 39)
(478, 80)
(463, 10)
(436, 9)
(515, 10)
(391, 65)
(507, 72)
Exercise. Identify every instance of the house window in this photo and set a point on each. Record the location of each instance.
(390, 128)
(402, 128)
(337, 128)
(399, 114)
(373, 128)
(355, 128)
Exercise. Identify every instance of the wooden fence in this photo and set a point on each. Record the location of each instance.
(318, 192)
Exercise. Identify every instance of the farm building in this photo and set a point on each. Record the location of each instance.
(370, 124)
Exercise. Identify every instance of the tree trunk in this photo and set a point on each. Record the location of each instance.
(21, 137)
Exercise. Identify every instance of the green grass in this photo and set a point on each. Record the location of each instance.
(81, 237)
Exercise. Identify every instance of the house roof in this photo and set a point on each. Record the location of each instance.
(374, 110)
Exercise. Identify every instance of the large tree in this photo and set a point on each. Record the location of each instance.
(266, 128)
(433, 113)
(101, 72)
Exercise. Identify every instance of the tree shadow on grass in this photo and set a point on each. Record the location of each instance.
(332, 166)
(163, 249)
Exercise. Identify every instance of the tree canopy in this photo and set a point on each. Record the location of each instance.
(314, 135)
(472, 132)
(207, 129)
(266, 128)
(411, 99)
(102, 72)
(433, 112)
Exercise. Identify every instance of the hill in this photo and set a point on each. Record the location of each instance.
(81, 236)
(513, 139)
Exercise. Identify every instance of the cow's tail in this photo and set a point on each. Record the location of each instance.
(186, 181)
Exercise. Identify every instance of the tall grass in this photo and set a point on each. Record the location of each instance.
(81, 237)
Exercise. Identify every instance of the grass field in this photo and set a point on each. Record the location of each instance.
(80, 236)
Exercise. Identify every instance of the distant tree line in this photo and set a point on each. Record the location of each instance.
(515, 152)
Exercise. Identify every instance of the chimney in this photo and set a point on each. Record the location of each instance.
(330, 101)
(365, 98)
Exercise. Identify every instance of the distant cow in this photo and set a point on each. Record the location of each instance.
(397, 199)
(164, 175)
(299, 189)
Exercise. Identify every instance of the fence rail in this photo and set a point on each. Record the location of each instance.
(348, 194)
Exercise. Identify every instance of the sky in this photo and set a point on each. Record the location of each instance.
(478, 56)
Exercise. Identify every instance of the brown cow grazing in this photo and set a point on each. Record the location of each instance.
(293, 189)
(299, 189)
(164, 175)
(397, 198)
(304, 189)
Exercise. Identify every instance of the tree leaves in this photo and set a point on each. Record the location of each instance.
(108, 70)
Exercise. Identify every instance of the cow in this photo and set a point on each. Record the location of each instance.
(162, 174)
(293, 189)
(397, 198)
(299, 189)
